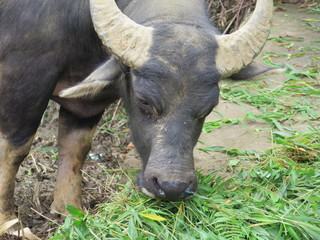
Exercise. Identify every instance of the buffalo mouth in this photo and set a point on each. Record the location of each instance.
(167, 189)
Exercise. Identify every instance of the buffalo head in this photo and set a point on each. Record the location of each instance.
(168, 74)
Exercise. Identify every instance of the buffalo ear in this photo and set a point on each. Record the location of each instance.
(253, 70)
(103, 76)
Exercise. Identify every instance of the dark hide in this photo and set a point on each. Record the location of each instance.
(46, 46)
(42, 42)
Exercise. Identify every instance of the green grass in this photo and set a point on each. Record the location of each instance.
(275, 199)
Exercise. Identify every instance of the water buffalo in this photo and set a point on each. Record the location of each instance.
(164, 58)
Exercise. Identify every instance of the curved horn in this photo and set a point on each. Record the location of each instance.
(238, 49)
(126, 39)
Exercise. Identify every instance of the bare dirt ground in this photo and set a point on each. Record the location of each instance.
(36, 178)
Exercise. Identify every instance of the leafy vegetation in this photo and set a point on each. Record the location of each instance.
(276, 199)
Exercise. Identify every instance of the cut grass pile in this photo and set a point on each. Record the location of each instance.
(276, 199)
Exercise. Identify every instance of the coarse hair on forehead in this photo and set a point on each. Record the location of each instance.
(172, 52)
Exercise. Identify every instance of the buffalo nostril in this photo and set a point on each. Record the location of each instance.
(192, 188)
(156, 184)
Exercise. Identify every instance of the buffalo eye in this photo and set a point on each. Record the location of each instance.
(144, 105)
(149, 108)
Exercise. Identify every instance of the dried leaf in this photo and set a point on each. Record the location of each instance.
(153, 217)
(26, 232)
(4, 227)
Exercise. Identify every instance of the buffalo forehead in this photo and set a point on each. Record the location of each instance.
(180, 53)
(181, 39)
